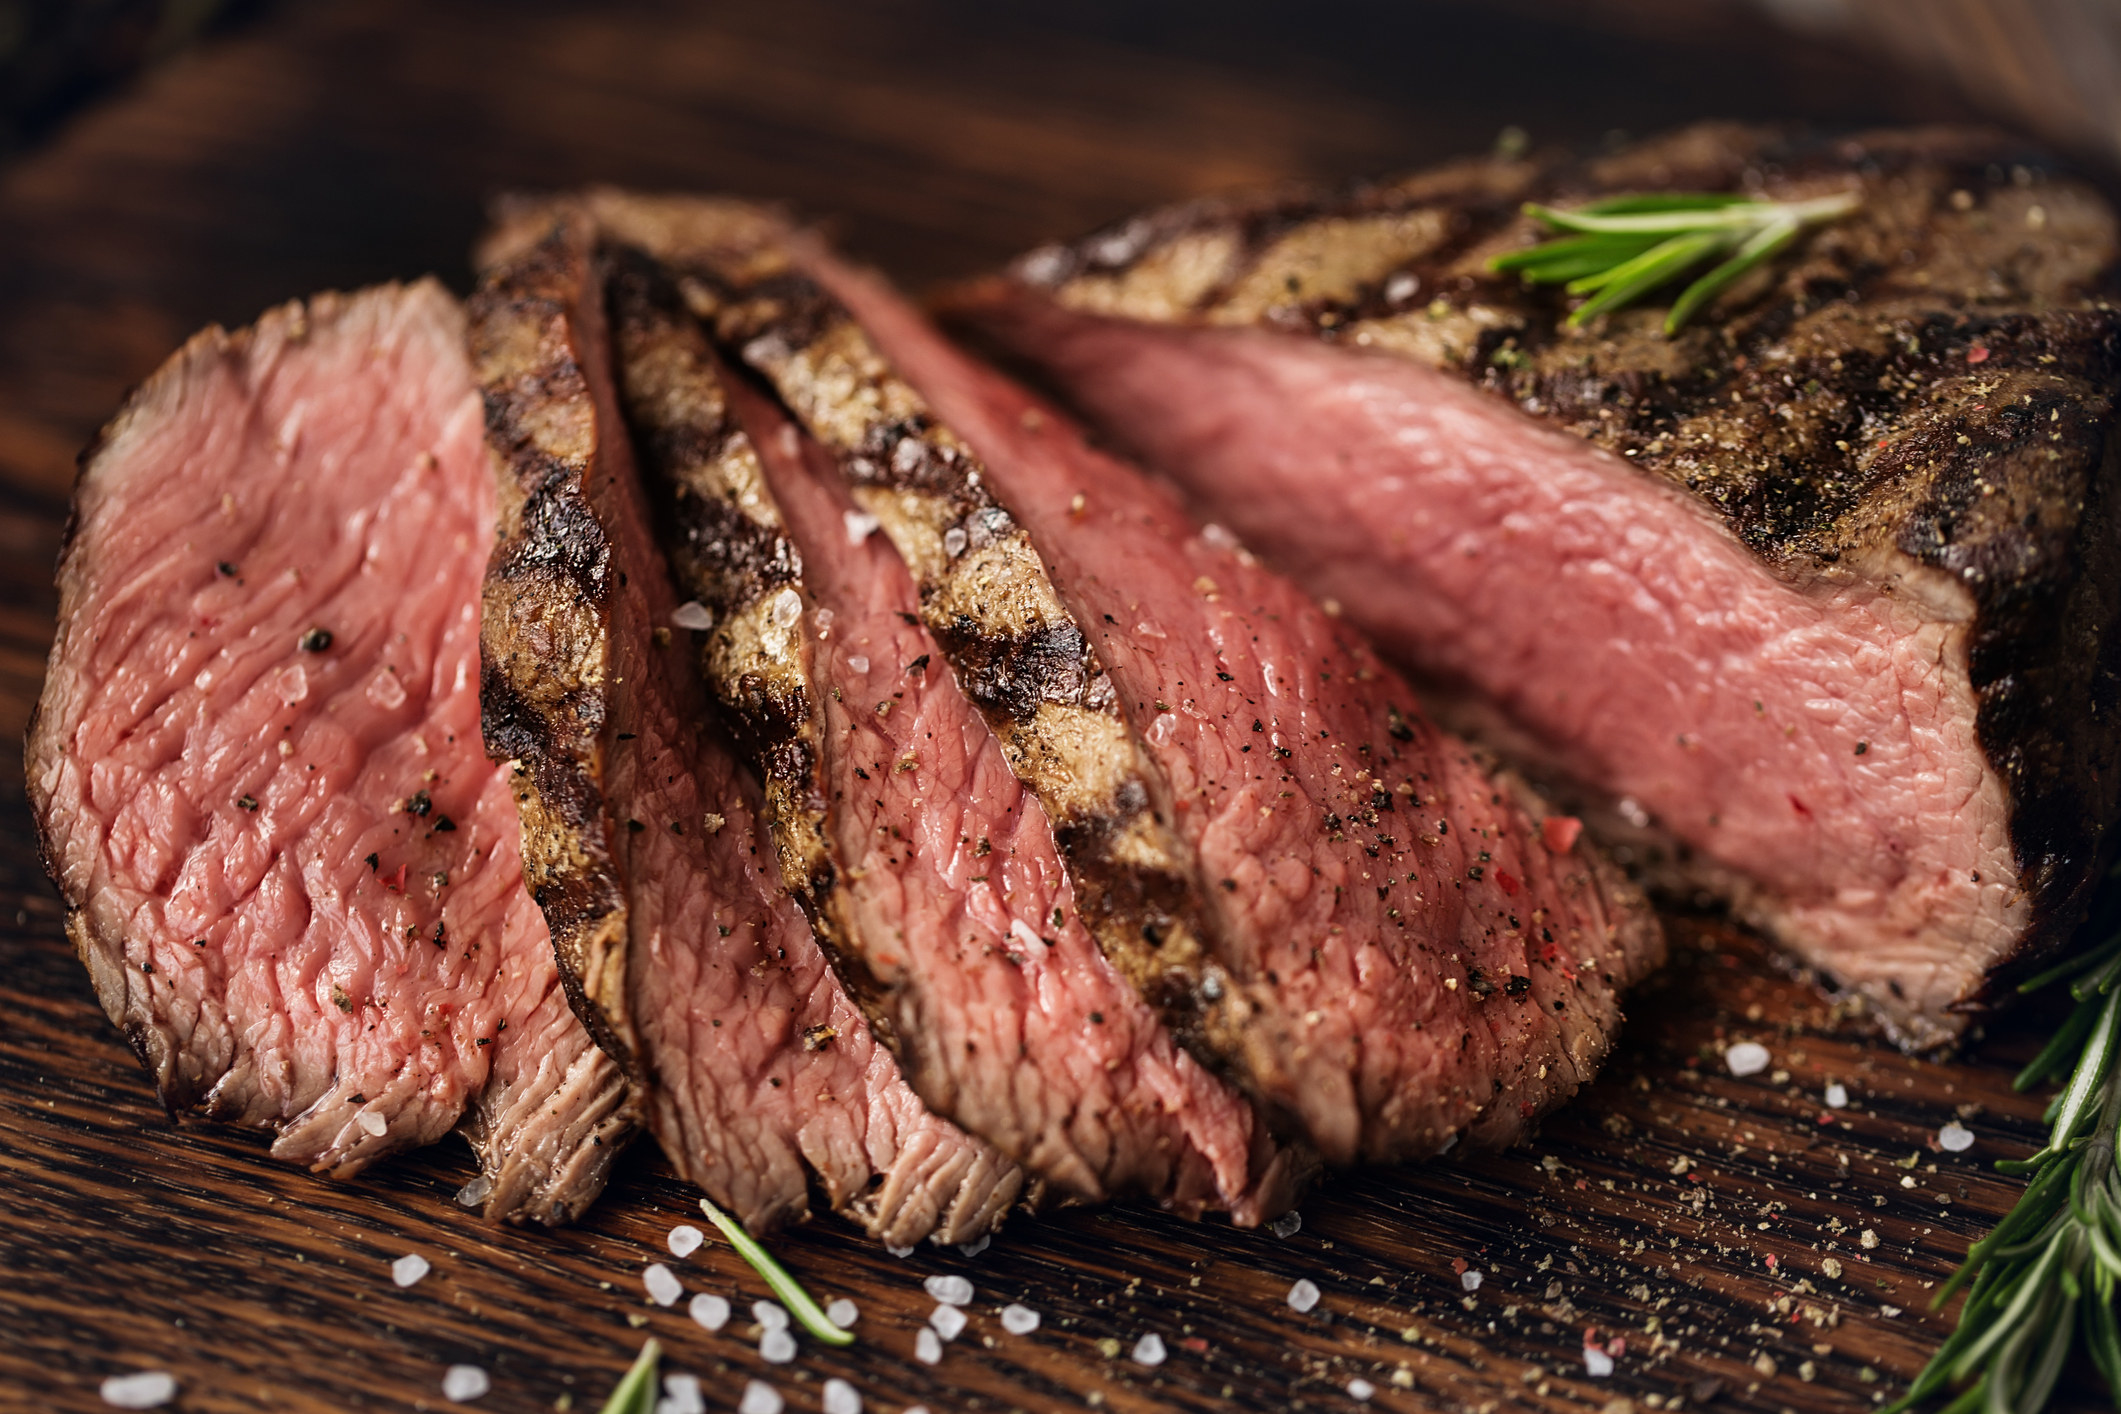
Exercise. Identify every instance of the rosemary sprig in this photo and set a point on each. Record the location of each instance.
(798, 1301)
(637, 1390)
(1623, 248)
(2049, 1271)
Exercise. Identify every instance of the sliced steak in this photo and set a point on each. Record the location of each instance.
(1822, 590)
(642, 839)
(291, 869)
(1403, 953)
(926, 866)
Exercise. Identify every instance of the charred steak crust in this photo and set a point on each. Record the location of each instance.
(1932, 378)
(722, 532)
(543, 625)
(1018, 654)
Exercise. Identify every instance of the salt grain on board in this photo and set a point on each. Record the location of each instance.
(1149, 1350)
(692, 614)
(1955, 1137)
(951, 1291)
(927, 1347)
(841, 1398)
(1303, 1296)
(1361, 1389)
(463, 1383)
(947, 1321)
(1287, 1225)
(149, 1389)
(681, 1395)
(684, 1240)
(974, 1248)
(1837, 1096)
(712, 1312)
(1470, 1280)
(898, 1251)
(770, 1314)
(1747, 1058)
(475, 1192)
(408, 1269)
(1596, 1363)
(663, 1286)
(843, 1313)
(777, 1346)
(759, 1398)
(1019, 1320)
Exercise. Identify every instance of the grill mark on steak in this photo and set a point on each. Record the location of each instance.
(969, 953)
(760, 1072)
(1919, 395)
(1423, 959)
(290, 869)
(1017, 653)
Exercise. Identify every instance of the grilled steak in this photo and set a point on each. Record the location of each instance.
(1418, 956)
(927, 868)
(640, 837)
(292, 872)
(1820, 590)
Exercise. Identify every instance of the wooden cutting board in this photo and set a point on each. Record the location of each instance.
(1728, 1243)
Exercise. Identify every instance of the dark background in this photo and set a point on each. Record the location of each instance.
(167, 165)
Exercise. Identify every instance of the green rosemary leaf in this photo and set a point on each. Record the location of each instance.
(2092, 1074)
(1620, 249)
(2070, 967)
(2066, 1045)
(798, 1301)
(637, 1390)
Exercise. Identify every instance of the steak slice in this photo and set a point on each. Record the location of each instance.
(1424, 956)
(1821, 591)
(290, 868)
(927, 868)
(640, 836)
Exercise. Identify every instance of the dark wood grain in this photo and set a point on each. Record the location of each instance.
(341, 143)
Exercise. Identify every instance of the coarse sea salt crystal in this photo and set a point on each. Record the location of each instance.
(759, 1398)
(149, 1389)
(692, 614)
(860, 525)
(1837, 1096)
(1956, 1137)
(1470, 1280)
(906, 1251)
(777, 1346)
(463, 1383)
(712, 1312)
(408, 1269)
(1596, 1363)
(681, 1395)
(664, 1288)
(947, 1321)
(475, 1192)
(927, 1347)
(770, 1314)
(841, 1398)
(375, 1125)
(843, 1313)
(684, 1240)
(1361, 1389)
(1303, 1296)
(1747, 1058)
(986, 1240)
(951, 1290)
(1287, 1225)
(859, 662)
(1018, 1319)
(1149, 1350)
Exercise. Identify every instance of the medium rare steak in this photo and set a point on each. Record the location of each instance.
(1401, 953)
(641, 839)
(1822, 589)
(290, 868)
(926, 866)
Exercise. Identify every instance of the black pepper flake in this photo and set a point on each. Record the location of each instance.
(918, 665)
(1475, 872)
(372, 864)
(483, 1041)
(1396, 725)
(1097, 1018)
(816, 1038)
(775, 1082)
(1477, 982)
(444, 825)
(1258, 725)
(1862, 747)
(982, 849)
(441, 938)
(228, 569)
(247, 801)
(201, 942)
(316, 640)
(635, 826)
(419, 804)
(1517, 986)
(1223, 676)
(340, 1000)
(1230, 884)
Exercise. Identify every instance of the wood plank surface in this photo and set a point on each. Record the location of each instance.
(1732, 1242)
